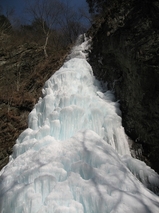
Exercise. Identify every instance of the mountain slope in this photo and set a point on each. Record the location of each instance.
(23, 72)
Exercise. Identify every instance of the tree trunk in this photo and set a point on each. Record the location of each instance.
(45, 45)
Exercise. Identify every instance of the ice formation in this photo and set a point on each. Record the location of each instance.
(74, 156)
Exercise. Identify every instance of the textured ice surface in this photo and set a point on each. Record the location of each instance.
(74, 156)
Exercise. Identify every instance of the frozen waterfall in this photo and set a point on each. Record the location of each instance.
(74, 156)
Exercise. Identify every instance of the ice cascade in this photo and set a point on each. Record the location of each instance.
(74, 156)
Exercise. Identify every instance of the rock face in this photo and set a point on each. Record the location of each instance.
(125, 53)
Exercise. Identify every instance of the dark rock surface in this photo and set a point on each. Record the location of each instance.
(125, 53)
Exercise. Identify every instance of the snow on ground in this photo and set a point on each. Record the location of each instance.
(74, 155)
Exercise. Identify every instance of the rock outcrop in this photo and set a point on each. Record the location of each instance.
(125, 53)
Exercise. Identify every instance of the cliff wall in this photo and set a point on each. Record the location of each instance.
(125, 53)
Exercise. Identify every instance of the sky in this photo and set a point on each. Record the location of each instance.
(19, 5)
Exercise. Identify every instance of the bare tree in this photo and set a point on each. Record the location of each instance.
(47, 13)
(88, 18)
(8, 19)
(71, 23)
(5, 24)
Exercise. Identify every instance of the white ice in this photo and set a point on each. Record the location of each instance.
(74, 156)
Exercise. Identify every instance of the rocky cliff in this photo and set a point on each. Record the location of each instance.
(125, 53)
